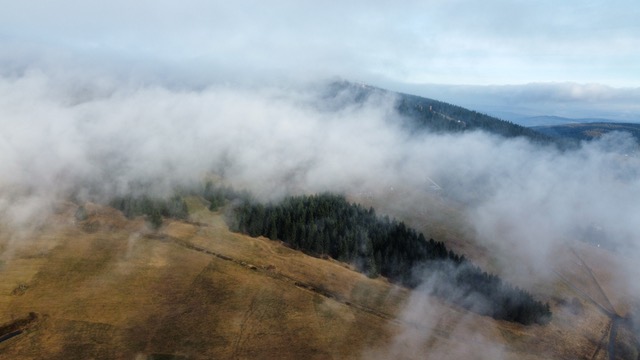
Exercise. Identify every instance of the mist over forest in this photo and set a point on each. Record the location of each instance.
(66, 137)
(384, 138)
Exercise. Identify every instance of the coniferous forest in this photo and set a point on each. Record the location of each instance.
(329, 225)
(154, 209)
(424, 114)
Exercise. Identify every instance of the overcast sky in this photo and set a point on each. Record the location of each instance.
(385, 43)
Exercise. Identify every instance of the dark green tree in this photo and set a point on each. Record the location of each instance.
(328, 225)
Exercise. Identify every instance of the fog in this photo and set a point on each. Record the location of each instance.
(99, 99)
(65, 135)
(423, 322)
(96, 138)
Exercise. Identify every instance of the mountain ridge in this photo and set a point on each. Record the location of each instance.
(426, 114)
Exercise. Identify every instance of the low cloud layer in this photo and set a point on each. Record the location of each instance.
(65, 136)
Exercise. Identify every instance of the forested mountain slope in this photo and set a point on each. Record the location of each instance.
(437, 116)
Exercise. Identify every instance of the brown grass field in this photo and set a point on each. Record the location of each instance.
(110, 288)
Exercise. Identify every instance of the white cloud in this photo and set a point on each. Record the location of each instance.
(65, 133)
(495, 42)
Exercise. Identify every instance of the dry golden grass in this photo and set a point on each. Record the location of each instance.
(108, 288)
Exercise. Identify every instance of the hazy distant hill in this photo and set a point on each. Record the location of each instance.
(588, 131)
(531, 118)
(549, 120)
(433, 115)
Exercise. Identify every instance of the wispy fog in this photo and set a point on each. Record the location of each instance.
(72, 135)
(94, 138)
(99, 99)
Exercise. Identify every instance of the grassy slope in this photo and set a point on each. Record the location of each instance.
(110, 288)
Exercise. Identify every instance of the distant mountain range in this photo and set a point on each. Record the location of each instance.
(588, 131)
(550, 120)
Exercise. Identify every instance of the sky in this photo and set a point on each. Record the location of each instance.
(462, 46)
(457, 42)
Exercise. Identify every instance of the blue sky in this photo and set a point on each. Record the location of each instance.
(394, 44)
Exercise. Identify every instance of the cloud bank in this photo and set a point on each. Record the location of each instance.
(95, 138)
(64, 135)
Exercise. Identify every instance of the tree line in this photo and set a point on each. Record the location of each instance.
(154, 209)
(328, 224)
(424, 114)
